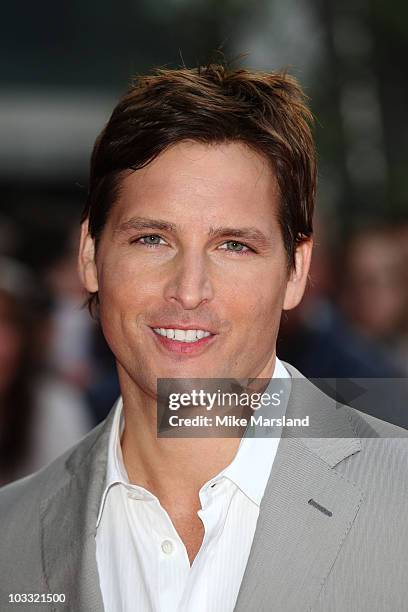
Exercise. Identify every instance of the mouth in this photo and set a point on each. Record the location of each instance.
(183, 342)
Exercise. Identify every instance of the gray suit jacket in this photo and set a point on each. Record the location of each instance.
(346, 551)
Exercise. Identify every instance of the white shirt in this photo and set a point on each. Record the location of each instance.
(142, 561)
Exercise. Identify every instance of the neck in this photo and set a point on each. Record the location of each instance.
(164, 465)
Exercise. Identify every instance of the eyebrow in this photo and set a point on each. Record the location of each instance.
(144, 223)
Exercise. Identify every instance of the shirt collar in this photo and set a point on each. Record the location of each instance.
(252, 463)
(249, 469)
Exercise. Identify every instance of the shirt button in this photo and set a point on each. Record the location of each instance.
(167, 547)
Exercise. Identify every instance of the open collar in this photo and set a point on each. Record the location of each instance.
(249, 469)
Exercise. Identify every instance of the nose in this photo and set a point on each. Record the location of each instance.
(190, 283)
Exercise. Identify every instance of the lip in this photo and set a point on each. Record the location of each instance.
(184, 327)
(184, 348)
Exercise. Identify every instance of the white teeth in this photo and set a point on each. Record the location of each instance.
(188, 335)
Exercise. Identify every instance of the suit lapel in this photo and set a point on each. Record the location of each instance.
(68, 524)
(296, 541)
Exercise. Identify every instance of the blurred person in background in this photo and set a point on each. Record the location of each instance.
(373, 288)
(317, 336)
(78, 352)
(40, 415)
(70, 344)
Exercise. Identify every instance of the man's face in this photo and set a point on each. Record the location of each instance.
(191, 275)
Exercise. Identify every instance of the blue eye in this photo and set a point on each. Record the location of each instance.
(148, 243)
(240, 250)
(153, 240)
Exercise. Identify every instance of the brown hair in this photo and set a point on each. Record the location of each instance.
(212, 104)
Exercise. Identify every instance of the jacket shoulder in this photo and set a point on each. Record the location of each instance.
(19, 500)
(362, 424)
(24, 505)
(367, 426)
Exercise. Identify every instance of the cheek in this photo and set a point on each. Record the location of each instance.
(266, 316)
(261, 302)
(123, 282)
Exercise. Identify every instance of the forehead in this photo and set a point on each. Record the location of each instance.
(193, 179)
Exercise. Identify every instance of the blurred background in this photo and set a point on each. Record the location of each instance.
(64, 65)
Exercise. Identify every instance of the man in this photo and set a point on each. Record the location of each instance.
(197, 233)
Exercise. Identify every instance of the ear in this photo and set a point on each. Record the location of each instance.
(86, 260)
(296, 285)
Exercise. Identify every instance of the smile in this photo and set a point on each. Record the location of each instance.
(183, 341)
(182, 335)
